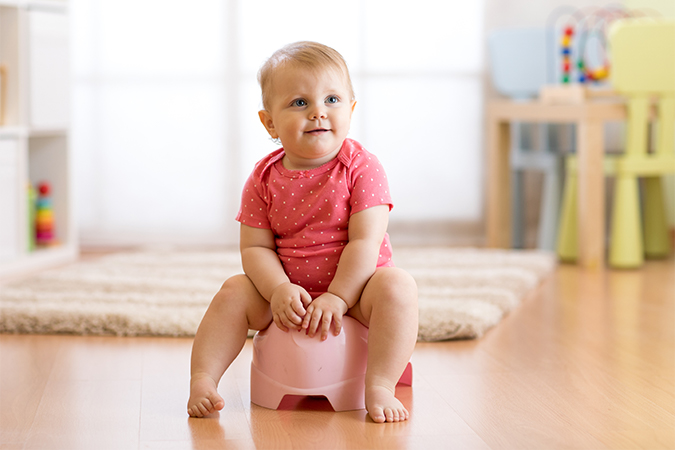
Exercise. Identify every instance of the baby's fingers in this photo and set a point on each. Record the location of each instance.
(298, 311)
(313, 320)
(289, 323)
(337, 322)
(279, 323)
(325, 324)
(305, 297)
(308, 317)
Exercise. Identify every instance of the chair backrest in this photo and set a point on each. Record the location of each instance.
(643, 56)
(643, 65)
(518, 60)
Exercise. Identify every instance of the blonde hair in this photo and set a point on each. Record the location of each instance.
(311, 55)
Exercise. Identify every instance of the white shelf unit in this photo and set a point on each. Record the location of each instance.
(34, 135)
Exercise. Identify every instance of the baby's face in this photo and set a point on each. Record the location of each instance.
(310, 112)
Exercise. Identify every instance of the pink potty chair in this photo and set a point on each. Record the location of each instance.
(294, 364)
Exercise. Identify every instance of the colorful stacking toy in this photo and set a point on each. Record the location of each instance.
(44, 217)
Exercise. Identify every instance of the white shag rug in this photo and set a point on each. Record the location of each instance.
(462, 292)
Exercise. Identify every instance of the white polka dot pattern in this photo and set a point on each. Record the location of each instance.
(308, 211)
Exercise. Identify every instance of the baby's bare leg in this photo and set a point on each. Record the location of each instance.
(388, 306)
(221, 335)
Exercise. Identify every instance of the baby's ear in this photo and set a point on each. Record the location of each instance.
(268, 123)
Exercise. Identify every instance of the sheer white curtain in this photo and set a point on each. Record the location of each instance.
(165, 102)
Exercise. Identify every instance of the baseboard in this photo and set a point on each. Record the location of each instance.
(443, 233)
(402, 233)
(130, 239)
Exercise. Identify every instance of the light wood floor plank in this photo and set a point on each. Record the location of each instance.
(77, 414)
(25, 365)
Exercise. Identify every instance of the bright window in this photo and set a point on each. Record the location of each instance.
(166, 99)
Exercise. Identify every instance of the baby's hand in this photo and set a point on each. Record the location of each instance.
(322, 311)
(288, 304)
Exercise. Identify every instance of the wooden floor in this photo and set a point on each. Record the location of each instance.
(588, 362)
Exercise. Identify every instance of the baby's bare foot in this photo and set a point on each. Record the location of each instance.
(204, 397)
(383, 406)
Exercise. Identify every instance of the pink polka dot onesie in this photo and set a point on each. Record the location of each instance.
(308, 210)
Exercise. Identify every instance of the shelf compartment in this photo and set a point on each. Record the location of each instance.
(48, 162)
(9, 59)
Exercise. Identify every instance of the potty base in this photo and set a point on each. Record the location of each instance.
(292, 363)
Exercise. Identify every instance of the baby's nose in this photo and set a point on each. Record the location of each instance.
(318, 113)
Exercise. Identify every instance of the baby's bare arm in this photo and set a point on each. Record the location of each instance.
(261, 264)
(357, 264)
(260, 261)
(359, 258)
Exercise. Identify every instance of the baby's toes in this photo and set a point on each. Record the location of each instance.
(201, 409)
(193, 411)
(206, 407)
(378, 415)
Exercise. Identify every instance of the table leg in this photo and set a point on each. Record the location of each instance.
(498, 184)
(591, 202)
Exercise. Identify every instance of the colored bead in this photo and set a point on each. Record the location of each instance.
(44, 188)
(45, 220)
(43, 203)
(44, 235)
(44, 227)
(569, 31)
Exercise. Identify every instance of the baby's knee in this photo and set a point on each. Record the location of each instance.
(239, 295)
(399, 286)
(236, 283)
(232, 287)
(399, 279)
(235, 290)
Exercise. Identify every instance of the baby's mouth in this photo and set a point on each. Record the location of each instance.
(317, 131)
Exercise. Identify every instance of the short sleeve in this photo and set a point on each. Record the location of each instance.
(253, 208)
(369, 183)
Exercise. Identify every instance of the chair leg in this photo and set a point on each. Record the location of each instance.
(656, 239)
(518, 209)
(626, 235)
(567, 231)
(550, 208)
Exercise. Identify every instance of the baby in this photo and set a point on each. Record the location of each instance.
(313, 238)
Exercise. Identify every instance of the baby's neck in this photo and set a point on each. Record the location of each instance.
(305, 164)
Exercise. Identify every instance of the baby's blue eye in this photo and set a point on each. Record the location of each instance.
(332, 99)
(299, 102)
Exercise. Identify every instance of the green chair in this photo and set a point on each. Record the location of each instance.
(643, 70)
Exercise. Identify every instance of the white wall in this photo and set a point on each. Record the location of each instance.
(165, 103)
(165, 125)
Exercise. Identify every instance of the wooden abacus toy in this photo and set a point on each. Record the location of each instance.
(566, 51)
(578, 80)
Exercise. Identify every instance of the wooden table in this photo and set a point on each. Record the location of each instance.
(589, 117)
